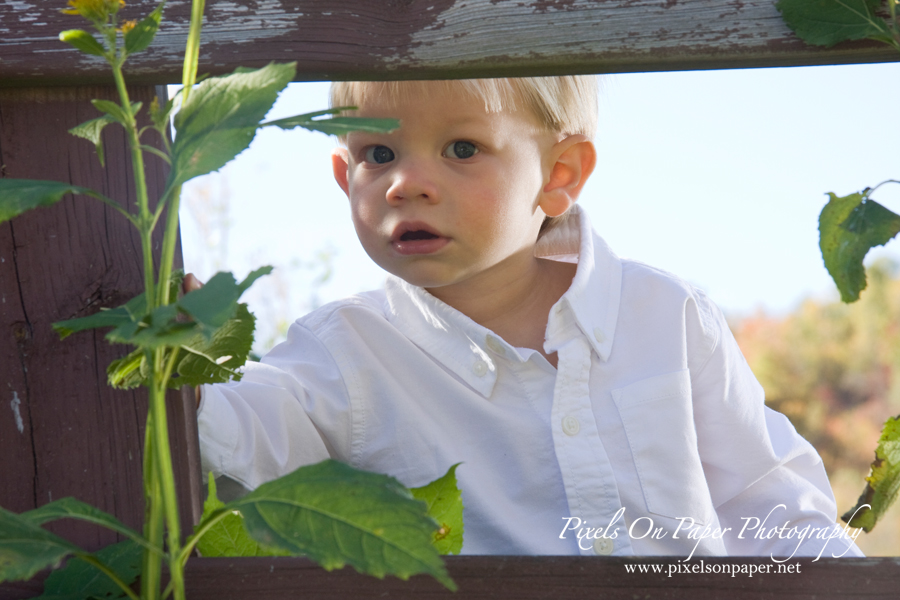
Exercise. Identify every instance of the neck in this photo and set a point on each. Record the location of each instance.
(517, 308)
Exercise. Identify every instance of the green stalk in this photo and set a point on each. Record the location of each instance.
(164, 470)
(188, 78)
(192, 51)
(168, 247)
(140, 184)
(153, 518)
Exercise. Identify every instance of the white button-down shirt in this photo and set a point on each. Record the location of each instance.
(652, 422)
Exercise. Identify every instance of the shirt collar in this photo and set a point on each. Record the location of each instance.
(589, 307)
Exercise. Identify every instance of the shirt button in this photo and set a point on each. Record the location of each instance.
(570, 425)
(598, 335)
(495, 345)
(480, 368)
(603, 546)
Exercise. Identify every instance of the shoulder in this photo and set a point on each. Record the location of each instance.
(363, 307)
(647, 290)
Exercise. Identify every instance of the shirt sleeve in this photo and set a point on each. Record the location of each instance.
(290, 410)
(767, 483)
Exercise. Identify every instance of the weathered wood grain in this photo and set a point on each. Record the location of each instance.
(63, 431)
(548, 577)
(538, 578)
(417, 39)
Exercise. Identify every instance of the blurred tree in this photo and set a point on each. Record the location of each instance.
(832, 368)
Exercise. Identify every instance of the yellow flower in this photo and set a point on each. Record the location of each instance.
(94, 10)
(128, 26)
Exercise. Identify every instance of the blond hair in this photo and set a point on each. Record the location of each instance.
(565, 104)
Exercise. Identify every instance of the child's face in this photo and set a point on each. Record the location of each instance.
(454, 195)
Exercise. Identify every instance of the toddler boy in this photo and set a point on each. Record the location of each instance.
(598, 405)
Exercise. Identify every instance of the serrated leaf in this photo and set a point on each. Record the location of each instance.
(883, 482)
(828, 22)
(26, 548)
(80, 580)
(83, 41)
(444, 501)
(216, 302)
(848, 228)
(338, 515)
(227, 537)
(20, 195)
(215, 360)
(142, 34)
(92, 131)
(220, 118)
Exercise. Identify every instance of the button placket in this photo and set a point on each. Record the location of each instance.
(587, 474)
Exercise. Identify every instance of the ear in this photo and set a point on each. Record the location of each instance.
(572, 162)
(340, 164)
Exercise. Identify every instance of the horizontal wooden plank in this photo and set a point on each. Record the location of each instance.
(542, 577)
(551, 577)
(418, 39)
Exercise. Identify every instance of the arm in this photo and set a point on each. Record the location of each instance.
(762, 474)
(290, 410)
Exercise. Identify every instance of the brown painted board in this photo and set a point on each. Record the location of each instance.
(63, 431)
(422, 39)
(542, 578)
(551, 578)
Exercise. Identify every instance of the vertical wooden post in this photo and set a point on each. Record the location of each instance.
(63, 431)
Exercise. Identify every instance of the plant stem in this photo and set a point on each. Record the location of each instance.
(163, 454)
(153, 518)
(168, 247)
(192, 51)
(140, 184)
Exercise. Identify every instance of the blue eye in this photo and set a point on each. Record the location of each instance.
(379, 155)
(461, 150)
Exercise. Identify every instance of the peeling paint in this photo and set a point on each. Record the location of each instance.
(14, 404)
(590, 27)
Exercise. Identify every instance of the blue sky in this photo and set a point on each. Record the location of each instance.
(716, 176)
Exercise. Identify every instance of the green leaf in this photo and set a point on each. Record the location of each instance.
(128, 372)
(216, 302)
(80, 580)
(848, 228)
(227, 537)
(444, 501)
(82, 40)
(91, 131)
(883, 482)
(828, 22)
(116, 317)
(215, 360)
(220, 118)
(115, 111)
(142, 34)
(339, 515)
(26, 548)
(336, 125)
(19, 195)
(70, 508)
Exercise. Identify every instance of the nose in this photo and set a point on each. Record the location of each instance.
(412, 180)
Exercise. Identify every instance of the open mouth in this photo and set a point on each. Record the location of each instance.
(412, 238)
(419, 234)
